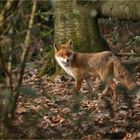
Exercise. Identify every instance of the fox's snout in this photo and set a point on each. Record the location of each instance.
(65, 60)
(68, 60)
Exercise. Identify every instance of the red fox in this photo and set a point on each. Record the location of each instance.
(81, 66)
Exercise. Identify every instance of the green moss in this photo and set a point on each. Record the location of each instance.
(76, 14)
(50, 66)
(84, 46)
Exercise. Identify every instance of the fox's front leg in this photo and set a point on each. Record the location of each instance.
(90, 85)
(78, 83)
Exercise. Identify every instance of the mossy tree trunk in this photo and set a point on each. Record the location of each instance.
(121, 9)
(75, 22)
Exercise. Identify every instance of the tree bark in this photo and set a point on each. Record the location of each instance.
(121, 9)
(75, 22)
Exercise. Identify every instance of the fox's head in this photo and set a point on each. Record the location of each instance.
(64, 53)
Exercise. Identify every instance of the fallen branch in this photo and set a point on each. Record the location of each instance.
(131, 60)
(128, 54)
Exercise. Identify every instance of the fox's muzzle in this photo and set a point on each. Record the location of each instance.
(68, 60)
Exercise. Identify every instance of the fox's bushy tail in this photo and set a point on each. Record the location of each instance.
(123, 75)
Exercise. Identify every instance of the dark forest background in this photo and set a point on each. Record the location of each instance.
(36, 96)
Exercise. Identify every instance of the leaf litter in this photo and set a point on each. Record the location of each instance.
(58, 113)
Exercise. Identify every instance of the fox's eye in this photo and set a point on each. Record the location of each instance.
(60, 55)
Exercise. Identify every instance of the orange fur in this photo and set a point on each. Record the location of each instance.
(84, 65)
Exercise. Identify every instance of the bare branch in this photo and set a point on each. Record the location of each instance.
(26, 46)
(131, 61)
(6, 10)
(23, 57)
(7, 73)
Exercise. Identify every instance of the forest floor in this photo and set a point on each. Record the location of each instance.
(56, 112)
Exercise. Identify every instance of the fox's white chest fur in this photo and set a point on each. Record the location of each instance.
(64, 65)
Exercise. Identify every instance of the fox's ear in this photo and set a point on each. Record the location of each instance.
(56, 47)
(70, 44)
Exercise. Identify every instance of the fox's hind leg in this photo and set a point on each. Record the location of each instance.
(106, 79)
(114, 90)
(110, 86)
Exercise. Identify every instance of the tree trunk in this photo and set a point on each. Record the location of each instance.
(75, 22)
(121, 9)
